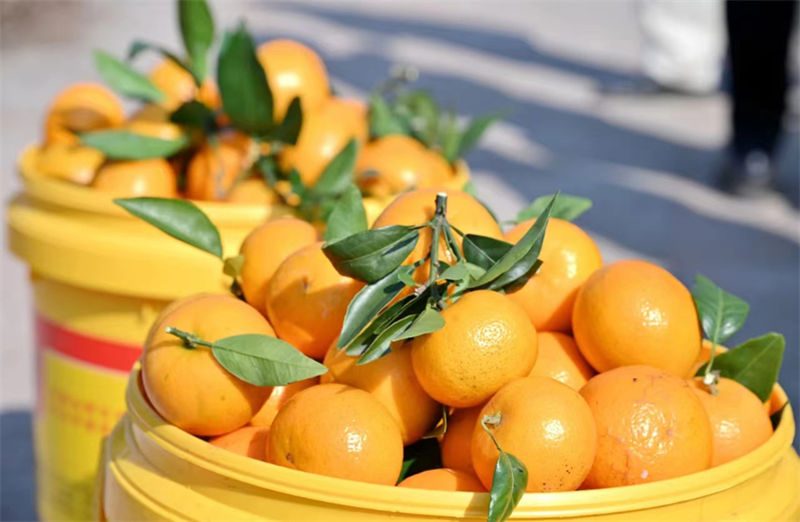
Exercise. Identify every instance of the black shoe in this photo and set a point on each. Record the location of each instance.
(750, 176)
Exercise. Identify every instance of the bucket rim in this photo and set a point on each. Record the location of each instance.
(74, 197)
(388, 499)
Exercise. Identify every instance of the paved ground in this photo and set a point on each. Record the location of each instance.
(647, 163)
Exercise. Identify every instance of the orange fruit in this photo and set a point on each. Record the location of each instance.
(72, 163)
(247, 441)
(326, 130)
(213, 171)
(187, 386)
(739, 421)
(560, 359)
(155, 129)
(82, 107)
(307, 299)
(457, 440)
(252, 191)
(650, 426)
(391, 380)
(396, 163)
(280, 395)
(292, 70)
(443, 479)
(569, 257)
(264, 249)
(547, 426)
(339, 431)
(487, 341)
(179, 87)
(634, 312)
(149, 177)
(418, 206)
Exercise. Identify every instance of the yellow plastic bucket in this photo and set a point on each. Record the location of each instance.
(155, 471)
(99, 278)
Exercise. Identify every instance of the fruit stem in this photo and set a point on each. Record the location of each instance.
(493, 420)
(190, 340)
(710, 377)
(451, 242)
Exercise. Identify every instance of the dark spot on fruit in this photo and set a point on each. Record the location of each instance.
(290, 458)
(635, 379)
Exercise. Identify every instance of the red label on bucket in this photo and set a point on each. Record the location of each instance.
(91, 350)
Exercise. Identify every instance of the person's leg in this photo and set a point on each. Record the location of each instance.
(683, 43)
(758, 39)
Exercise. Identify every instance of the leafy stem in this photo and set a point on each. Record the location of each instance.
(493, 421)
(190, 340)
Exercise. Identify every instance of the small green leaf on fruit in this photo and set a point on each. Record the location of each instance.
(370, 255)
(347, 217)
(338, 174)
(246, 96)
(429, 321)
(197, 32)
(126, 145)
(124, 80)
(196, 115)
(367, 303)
(754, 364)
(382, 122)
(179, 218)
(264, 361)
(721, 314)
(567, 207)
(289, 129)
(508, 485)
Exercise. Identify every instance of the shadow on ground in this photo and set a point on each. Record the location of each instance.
(17, 482)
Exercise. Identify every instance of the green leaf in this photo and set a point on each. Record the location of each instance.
(776, 417)
(348, 216)
(474, 132)
(405, 274)
(119, 144)
(381, 120)
(754, 364)
(197, 115)
(382, 343)
(367, 303)
(406, 305)
(123, 79)
(197, 32)
(457, 272)
(469, 188)
(179, 218)
(370, 255)
(420, 456)
(420, 115)
(450, 137)
(567, 207)
(721, 314)
(263, 360)
(338, 174)
(508, 485)
(484, 251)
(520, 260)
(246, 96)
(429, 321)
(139, 46)
(289, 129)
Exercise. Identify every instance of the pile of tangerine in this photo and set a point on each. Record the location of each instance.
(586, 370)
(223, 167)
